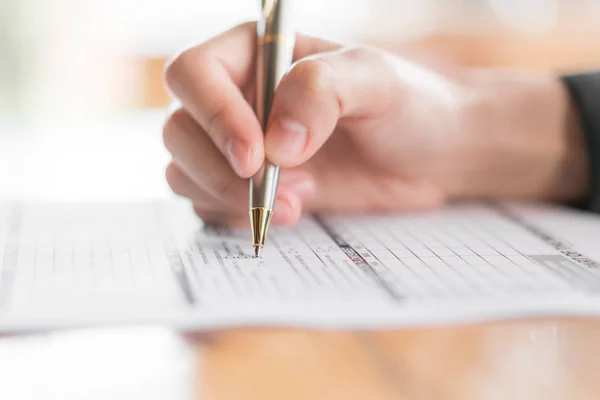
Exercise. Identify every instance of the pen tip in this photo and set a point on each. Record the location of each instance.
(256, 251)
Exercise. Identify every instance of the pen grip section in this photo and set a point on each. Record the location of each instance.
(263, 186)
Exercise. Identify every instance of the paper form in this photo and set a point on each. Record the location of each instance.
(67, 265)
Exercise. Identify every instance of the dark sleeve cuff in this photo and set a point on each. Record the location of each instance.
(584, 90)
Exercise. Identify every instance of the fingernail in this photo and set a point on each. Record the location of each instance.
(238, 154)
(289, 140)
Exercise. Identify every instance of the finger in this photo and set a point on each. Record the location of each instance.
(207, 78)
(287, 211)
(288, 208)
(196, 155)
(212, 210)
(300, 182)
(296, 183)
(317, 93)
(183, 186)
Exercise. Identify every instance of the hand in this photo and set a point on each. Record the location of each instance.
(362, 130)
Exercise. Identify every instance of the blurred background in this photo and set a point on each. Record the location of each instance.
(94, 69)
(72, 58)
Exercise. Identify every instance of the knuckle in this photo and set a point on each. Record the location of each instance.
(227, 188)
(359, 53)
(199, 212)
(215, 125)
(208, 216)
(175, 126)
(183, 64)
(205, 215)
(177, 181)
(204, 200)
(315, 76)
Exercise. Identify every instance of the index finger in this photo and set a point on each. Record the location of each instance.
(209, 80)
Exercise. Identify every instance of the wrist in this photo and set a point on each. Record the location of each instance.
(524, 140)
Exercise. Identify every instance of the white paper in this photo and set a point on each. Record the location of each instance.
(70, 265)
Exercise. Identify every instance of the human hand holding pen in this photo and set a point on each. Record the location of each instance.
(356, 129)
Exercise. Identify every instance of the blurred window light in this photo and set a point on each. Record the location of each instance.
(161, 27)
(81, 57)
(404, 19)
(14, 64)
(527, 16)
(82, 54)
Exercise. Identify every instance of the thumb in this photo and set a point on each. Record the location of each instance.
(317, 92)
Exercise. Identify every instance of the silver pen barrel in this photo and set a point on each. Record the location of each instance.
(274, 55)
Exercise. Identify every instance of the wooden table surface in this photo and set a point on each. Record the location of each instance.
(533, 359)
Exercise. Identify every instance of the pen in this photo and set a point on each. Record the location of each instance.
(275, 39)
